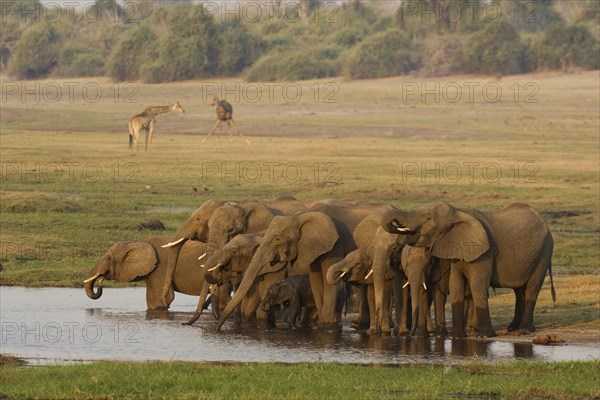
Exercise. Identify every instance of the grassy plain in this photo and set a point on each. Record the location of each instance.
(108, 380)
(70, 186)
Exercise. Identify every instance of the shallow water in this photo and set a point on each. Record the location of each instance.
(61, 325)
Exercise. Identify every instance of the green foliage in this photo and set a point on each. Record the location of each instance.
(565, 47)
(131, 53)
(387, 53)
(36, 52)
(495, 50)
(444, 55)
(531, 16)
(238, 48)
(76, 60)
(298, 64)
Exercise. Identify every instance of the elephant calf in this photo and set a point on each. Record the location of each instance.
(293, 292)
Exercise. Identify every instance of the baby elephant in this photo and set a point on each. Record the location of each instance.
(293, 292)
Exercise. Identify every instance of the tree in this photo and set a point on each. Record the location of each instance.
(36, 52)
(136, 49)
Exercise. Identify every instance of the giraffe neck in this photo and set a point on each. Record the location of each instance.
(155, 110)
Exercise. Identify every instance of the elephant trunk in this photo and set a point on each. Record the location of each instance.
(335, 273)
(394, 221)
(169, 274)
(245, 285)
(89, 288)
(420, 306)
(199, 309)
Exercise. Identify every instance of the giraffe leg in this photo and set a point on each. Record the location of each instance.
(149, 132)
(229, 126)
(212, 130)
(239, 132)
(220, 130)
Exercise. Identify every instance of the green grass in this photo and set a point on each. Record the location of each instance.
(112, 380)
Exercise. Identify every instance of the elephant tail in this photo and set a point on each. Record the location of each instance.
(552, 291)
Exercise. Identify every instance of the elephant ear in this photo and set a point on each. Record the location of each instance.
(318, 235)
(364, 233)
(466, 239)
(138, 260)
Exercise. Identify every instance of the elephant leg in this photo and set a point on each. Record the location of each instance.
(385, 321)
(267, 318)
(364, 309)
(330, 316)
(519, 308)
(533, 287)
(457, 294)
(428, 312)
(479, 281)
(401, 304)
(439, 303)
(294, 311)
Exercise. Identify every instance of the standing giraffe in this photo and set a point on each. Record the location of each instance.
(145, 120)
(224, 113)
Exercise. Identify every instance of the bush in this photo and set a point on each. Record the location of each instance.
(444, 55)
(565, 47)
(496, 50)
(238, 48)
(387, 53)
(292, 65)
(77, 60)
(36, 52)
(137, 48)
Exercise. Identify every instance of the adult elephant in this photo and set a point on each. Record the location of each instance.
(226, 267)
(146, 260)
(306, 243)
(216, 222)
(376, 247)
(510, 248)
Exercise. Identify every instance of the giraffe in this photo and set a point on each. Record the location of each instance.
(145, 120)
(224, 113)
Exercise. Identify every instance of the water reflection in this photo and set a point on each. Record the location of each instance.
(57, 323)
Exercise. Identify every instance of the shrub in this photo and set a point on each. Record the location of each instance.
(444, 55)
(495, 50)
(36, 52)
(288, 65)
(564, 47)
(137, 48)
(387, 53)
(238, 48)
(76, 60)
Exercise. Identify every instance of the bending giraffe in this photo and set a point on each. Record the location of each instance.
(224, 113)
(145, 120)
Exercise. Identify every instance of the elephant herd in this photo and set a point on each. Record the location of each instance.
(306, 254)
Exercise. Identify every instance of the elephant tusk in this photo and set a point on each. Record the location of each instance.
(100, 280)
(402, 229)
(405, 285)
(202, 265)
(92, 278)
(215, 267)
(343, 274)
(202, 256)
(173, 243)
(424, 286)
(369, 274)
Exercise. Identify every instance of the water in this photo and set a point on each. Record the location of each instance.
(62, 325)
